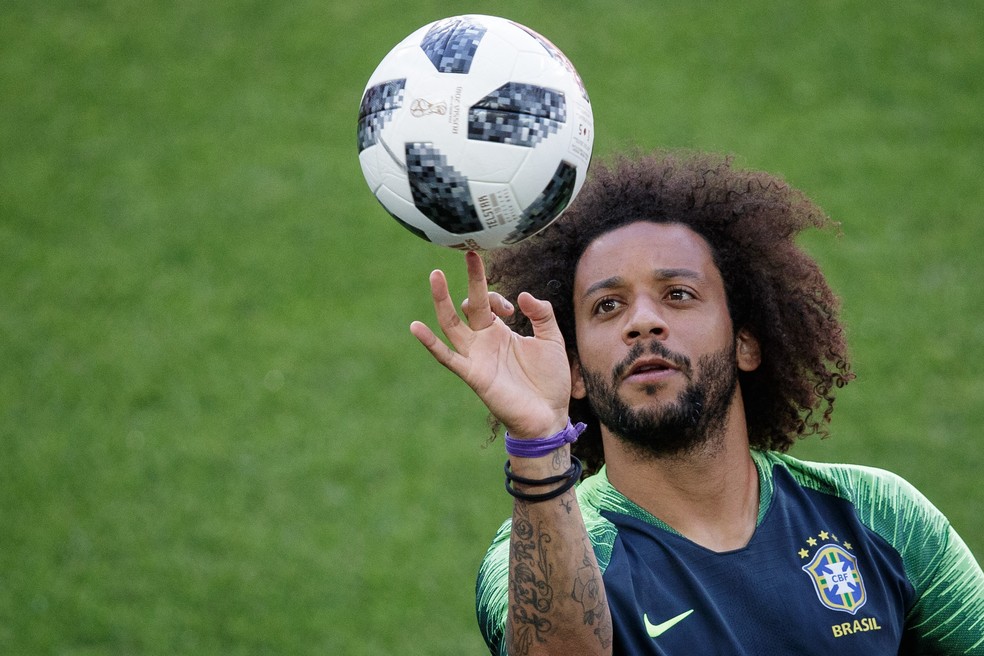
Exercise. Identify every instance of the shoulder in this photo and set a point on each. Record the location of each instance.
(890, 507)
(883, 501)
(877, 494)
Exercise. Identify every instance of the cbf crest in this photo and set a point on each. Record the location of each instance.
(836, 578)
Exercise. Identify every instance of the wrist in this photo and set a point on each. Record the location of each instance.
(531, 431)
(522, 487)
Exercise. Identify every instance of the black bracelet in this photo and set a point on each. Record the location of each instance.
(571, 476)
(550, 480)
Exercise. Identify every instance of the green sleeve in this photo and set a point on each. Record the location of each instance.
(948, 616)
(492, 591)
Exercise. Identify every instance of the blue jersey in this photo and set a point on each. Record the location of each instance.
(844, 560)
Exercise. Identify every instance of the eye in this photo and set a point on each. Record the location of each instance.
(606, 306)
(680, 294)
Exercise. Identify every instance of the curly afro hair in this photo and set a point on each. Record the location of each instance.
(775, 290)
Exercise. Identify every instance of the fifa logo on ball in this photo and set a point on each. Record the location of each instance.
(420, 107)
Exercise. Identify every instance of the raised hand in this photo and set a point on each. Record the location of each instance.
(524, 381)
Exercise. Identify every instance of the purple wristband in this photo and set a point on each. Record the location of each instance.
(541, 446)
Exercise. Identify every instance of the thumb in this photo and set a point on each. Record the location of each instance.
(541, 316)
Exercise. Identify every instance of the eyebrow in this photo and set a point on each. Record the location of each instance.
(659, 275)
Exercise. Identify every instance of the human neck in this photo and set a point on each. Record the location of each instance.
(710, 497)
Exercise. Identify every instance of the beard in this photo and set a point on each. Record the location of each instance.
(692, 422)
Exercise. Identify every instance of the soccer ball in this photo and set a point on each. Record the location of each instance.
(475, 132)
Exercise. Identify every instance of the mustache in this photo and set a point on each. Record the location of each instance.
(650, 347)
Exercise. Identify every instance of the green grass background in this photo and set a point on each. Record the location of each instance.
(217, 433)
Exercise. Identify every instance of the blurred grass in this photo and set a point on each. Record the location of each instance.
(219, 436)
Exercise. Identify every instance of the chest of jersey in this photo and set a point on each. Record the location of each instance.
(813, 580)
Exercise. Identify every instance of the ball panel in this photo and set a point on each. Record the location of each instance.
(548, 205)
(378, 105)
(440, 192)
(517, 114)
(527, 99)
(451, 44)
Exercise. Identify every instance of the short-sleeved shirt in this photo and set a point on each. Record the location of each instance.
(844, 560)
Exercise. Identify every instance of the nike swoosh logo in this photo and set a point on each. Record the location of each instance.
(656, 630)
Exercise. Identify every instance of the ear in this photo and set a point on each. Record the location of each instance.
(577, 379)
(749, 353)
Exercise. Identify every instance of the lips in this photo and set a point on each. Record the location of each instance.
(650, 362)
(651, 368)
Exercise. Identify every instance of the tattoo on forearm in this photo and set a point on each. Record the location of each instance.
(589, 593)
(533, 579)
(529, 578)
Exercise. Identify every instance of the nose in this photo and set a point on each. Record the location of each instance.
(643, 321)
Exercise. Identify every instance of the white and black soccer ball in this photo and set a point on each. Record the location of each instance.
(475, 132)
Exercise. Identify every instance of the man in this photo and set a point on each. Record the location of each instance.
(670, 311)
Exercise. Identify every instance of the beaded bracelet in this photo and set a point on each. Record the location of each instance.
(542, 446)
(571, 477)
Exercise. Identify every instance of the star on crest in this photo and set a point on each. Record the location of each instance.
(814, 542)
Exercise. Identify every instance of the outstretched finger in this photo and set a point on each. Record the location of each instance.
(479, 311)
(447, 315)
(441, 351)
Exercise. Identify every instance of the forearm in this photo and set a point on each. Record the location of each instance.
(557, 602)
